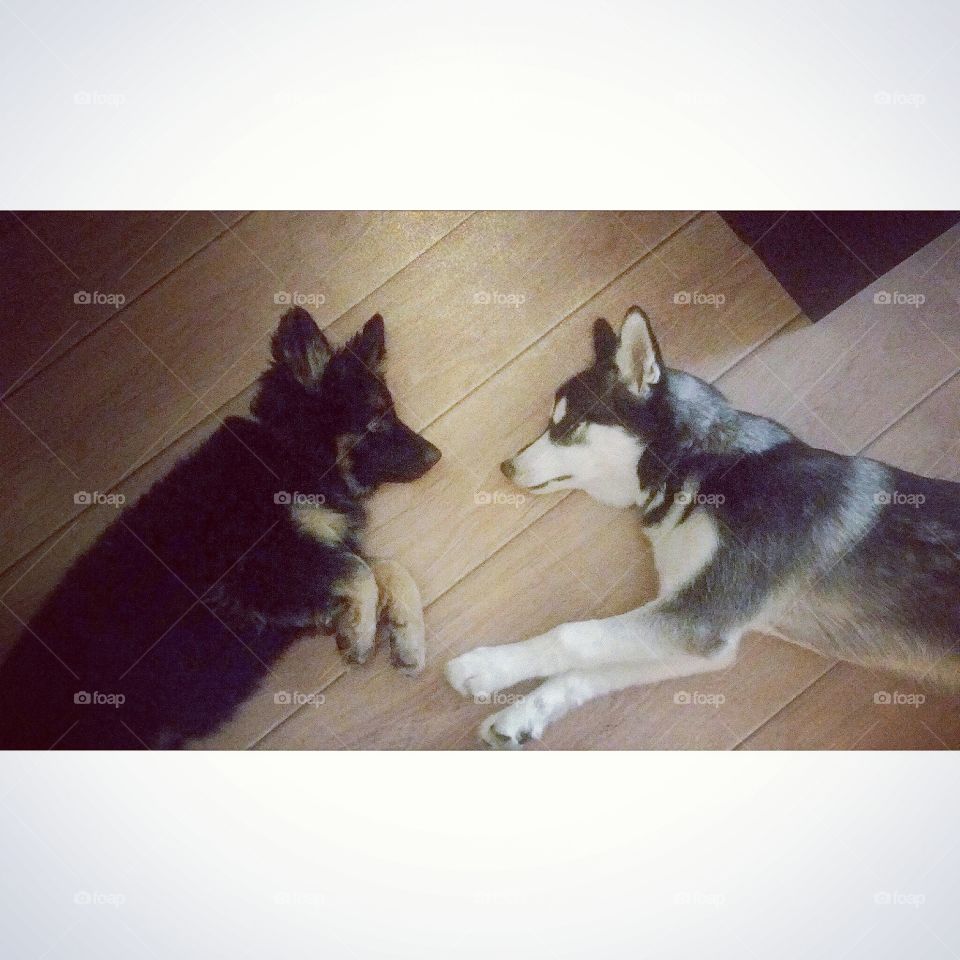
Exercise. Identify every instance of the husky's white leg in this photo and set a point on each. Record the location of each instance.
(628, 638)
(528, 717)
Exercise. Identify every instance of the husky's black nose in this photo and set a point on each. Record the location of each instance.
(508, 469)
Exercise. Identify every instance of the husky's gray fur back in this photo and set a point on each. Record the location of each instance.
(853, 558)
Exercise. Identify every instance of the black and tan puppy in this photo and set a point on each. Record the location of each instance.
(182, 606)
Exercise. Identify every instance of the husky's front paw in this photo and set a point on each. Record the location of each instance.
(478, 673)
(509, 729)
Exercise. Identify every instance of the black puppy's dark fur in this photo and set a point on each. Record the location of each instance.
(189, 597)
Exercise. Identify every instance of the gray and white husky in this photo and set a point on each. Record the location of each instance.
(751, 530)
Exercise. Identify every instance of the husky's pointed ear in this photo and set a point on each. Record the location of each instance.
(604, 341)
(368, 344)
(299, 346)
(638, 353)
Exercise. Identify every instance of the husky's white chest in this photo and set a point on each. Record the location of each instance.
(682, 550)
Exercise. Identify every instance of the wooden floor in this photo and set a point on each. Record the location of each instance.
(486, 313)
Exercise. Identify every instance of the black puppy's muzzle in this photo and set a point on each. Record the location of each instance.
(418, 457)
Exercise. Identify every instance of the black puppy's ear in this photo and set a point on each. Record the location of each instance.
(299, 345)
(369, 344)
(604, 340)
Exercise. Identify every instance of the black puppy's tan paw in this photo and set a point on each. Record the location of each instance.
(356, 622)
(401, 617)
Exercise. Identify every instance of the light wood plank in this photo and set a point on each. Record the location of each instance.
(49, 257)
(445, 338)
(842, 381)
(852, 708)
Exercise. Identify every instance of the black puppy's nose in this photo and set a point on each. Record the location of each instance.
(431, 454)
(508, 469)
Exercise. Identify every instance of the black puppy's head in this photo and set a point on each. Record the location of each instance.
(324, 402)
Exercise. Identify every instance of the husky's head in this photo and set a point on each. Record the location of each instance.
(334, 405)
(600, 418)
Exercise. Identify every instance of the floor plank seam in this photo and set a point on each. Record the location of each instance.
(127, 304)
(830, 666)
(570, 313)
(344, 670)
(746, 356)
(910, 409)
